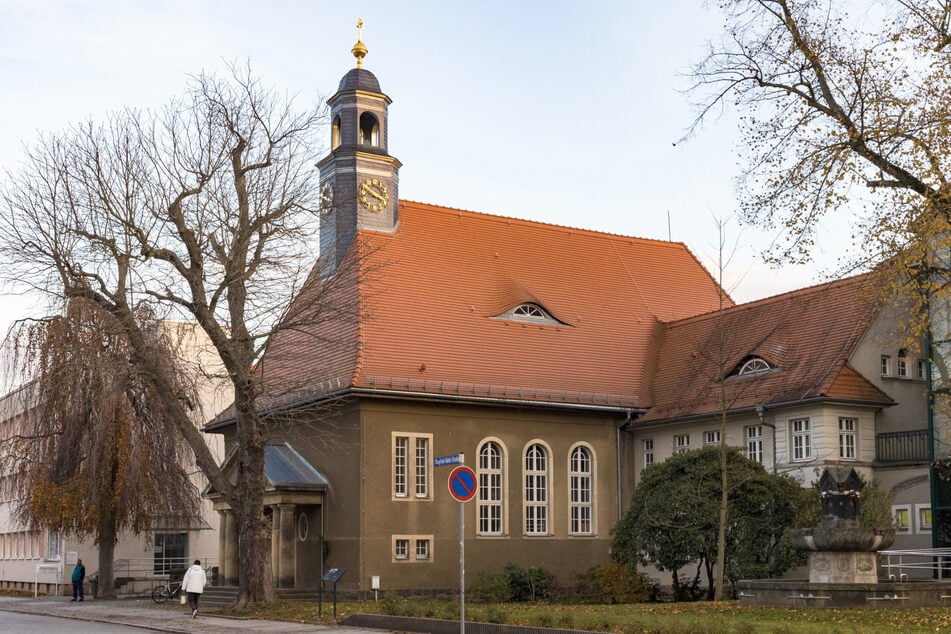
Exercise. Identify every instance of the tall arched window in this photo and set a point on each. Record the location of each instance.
(536, 490)
(491, 502)
(369, 130)
(581, 490)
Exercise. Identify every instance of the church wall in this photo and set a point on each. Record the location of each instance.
(457, 428)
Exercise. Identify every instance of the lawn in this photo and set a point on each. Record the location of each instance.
(663, 618)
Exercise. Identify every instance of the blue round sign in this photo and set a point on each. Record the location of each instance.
(462, 483)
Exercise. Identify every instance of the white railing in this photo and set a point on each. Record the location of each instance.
(898, 563)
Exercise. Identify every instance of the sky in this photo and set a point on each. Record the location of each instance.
(562, 112)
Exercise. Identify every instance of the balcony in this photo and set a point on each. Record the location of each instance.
(902, 447)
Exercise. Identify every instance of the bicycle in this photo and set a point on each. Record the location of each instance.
(162, 593)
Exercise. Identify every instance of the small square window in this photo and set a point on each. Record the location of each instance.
(422, 549)
(401, 549)
(711, 437)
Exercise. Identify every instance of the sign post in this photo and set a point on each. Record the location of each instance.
(462, 487)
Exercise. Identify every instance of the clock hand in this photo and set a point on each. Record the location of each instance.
(376, 195)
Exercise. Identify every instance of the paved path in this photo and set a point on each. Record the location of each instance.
(143, 613)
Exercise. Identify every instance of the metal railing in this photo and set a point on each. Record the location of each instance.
(902, 446)
(898, 563)
(140, 575)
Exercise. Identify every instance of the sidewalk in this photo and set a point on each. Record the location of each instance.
(143, 613)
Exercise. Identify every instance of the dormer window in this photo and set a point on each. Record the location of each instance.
(753, 366)
(369, 129)
(530, 312)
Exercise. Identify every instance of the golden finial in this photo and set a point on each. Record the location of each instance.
(359, 50)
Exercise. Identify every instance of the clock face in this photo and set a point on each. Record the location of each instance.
(326, 197)
(373, 194)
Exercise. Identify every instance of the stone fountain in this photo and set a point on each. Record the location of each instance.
(843, 562)
(840, 549)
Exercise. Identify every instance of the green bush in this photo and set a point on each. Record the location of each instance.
(489, 587)
(616, 583)
(530, 584)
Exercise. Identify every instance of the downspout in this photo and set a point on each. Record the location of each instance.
(617, 453)
(761, 412)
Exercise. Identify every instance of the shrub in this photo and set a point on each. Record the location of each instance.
(616, 583)
(530, 584)
(489, 587)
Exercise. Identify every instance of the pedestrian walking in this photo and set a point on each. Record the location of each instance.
(79, 573)
(193, 584)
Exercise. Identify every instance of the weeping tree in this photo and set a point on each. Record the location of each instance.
(92, 456)
(204, 210)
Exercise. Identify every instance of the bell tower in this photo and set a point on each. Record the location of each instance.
(358, 179)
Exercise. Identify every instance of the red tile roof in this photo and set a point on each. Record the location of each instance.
(807, 336)
(431, 293)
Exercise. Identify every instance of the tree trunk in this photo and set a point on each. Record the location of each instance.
(107, 548)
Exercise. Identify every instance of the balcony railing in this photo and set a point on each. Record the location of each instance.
(902, 446)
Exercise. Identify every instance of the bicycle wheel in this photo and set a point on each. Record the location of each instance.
(160, 594)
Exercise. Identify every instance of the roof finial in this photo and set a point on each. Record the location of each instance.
(359, 50)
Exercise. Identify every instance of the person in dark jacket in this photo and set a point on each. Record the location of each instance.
(79, 573)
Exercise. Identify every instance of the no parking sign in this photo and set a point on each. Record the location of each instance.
(462, 483)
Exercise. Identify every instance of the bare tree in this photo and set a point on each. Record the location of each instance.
(91, 457)
(839, 111)
(205, 210)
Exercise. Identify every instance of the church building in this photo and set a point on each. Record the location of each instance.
(533, 354)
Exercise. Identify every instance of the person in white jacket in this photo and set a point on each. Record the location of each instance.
(194, 583)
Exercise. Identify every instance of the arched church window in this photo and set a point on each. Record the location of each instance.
(369, 129)
(335, 133)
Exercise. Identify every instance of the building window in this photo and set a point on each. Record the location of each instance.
(902, 364)
(369, 130)
(711, 438)
(754, 443)
(801, 439)
(52, 545)
(536, 490)
(419, 461)
(171, 550)
(681, 442)
(923, 516)
(847, 438)
(886, 365)
(649, 452)
(754, 366)
(491, 502)
(902, 515)
(920, 366)
(412, 548)
(581, 490)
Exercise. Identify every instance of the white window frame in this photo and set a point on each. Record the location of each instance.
(491, 498)
(920, 368)
(905, 509)
(412, 466)
(681, 443)
(753, 435)
(412, 548)
(536, 472)
(648, 447)
(800, 437)
(848, 437)
(886, 365)
(582, 512)
(922, 526)
(711, 438)
(902, 367)
(52, 546)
